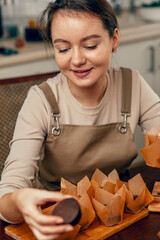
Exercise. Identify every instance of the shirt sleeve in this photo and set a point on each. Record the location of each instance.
(27, 145)
(149, 107)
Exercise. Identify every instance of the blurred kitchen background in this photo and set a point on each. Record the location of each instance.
(21, 45)
(24, 56)
(23, 52)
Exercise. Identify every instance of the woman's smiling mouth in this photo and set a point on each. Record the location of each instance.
(82, 73)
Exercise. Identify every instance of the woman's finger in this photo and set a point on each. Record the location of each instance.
(32, 212)
(40, 236)
(51, 230)
(44, 196)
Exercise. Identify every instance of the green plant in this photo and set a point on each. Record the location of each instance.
(153, 4)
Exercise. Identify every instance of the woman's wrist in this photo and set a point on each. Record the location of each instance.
(9, 209)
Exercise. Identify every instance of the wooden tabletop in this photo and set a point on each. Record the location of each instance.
(145, 229)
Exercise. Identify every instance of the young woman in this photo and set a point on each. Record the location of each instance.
(82, 119)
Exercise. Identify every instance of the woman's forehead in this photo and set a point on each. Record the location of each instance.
(72, 15)
(76, 21)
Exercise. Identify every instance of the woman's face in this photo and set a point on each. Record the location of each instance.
(82, 47)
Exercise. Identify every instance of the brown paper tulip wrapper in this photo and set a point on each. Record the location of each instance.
(113, 197)
(108, 206)
(151, 151)
(109, 196)
(70, 235)
(83, 192)
(137, 195)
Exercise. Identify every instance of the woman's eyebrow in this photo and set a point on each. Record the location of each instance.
(90, 37)
(83, 39)
(60, 40)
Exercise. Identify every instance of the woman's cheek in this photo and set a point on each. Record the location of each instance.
(102, 59)
(61, 61)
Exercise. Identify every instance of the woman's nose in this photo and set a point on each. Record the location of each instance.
(78, 57)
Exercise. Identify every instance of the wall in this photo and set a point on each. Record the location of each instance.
(125, 3)
(21, 10)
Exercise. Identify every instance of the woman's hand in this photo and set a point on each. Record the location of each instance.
(47, 227)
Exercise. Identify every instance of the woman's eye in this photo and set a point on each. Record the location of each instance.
(91, 47)
(63, 50)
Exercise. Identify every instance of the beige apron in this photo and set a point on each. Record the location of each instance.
(73, 151)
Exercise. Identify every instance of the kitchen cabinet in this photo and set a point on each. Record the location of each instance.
(143, 56)
(34, 58)
(29, 68)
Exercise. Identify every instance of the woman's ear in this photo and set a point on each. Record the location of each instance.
(115, 40)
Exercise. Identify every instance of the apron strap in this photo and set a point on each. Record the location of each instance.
(49, 96)
(126, 90)
(126, 97)
(54, 106)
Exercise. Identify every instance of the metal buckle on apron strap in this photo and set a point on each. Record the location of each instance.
(123, 127)
(56, 130)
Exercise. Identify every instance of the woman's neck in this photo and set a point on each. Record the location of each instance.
(89, 96)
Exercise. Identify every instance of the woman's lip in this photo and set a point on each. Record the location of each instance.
(82, 73)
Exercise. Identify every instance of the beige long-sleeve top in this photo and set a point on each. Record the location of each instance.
(34, 121)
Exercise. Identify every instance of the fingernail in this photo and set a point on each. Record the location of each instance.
(68, 196)
(59, 221)
(69, 228)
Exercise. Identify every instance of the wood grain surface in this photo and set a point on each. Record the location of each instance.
(96, 231)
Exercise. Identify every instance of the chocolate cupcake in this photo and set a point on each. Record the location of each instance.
(69, 210)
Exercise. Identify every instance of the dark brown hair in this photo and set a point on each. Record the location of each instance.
(101, 8)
